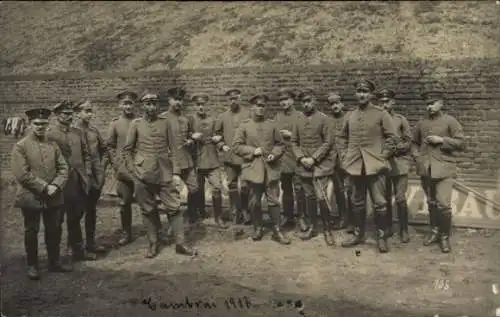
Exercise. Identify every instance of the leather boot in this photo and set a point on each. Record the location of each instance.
(178, 230)
(301, 211)
(287, 203)
(192, 208)
(389, 219)
(150, 222)
(312, 212)
(277, 234)
(246, 217)
(358, 222)
(381, 221)
(445, 230)
(404, 237)
(126, 220)
(217, 208)
(33, 273)
(349, 215)
(325, 216)
(433, 237)
(258, 229)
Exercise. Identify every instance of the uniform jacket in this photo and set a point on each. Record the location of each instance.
(286, 121)
(368, 137)
(180, 130)
(313, 136)
(98, 152)
(338, 123)
(148, 151)
(74, 148)
(36, 164)
(441, 158)
(225, 126)
(250, 135)
(117, 135)
(401, 159)
(206, 150)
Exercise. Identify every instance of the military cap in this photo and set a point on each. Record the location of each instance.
(259, 99)
(147, 95)
(432, 95)
(202, 98)
(176, 93)
(306, 94)
(333, 96)
(233, 92)
(82, 105)
(385, 94)
(286, 93)
(64, 105)
(38, 113)
(127, 95)
(365, 84)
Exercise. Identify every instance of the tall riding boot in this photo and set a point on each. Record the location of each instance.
(217, 208)
(445, 230)
(403, 222)
(150, 222)
(358, 221)
(350, 214)
(433, 237)
(301, 210)
(381, 222)
(258, 228)
(31, 247)
(126, 220)
(341, 205)
(234, 198)
(389, 217)
(275, 212)
(178, 230)
(192, 205)
(326, 217)
(312, 212)
(244, 196)
(287, 203)
(201, 203)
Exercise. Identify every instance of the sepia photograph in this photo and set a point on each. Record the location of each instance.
(250, 158)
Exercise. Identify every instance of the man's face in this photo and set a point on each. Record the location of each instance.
(86, 114)
(434, 106)
(127, 106)
(259, 109)
(286, 103)
(234, 101)
(200, 105)
(175, 103)
(39, 126)
(387, 103)
(364, 95)
(65, 117)
(309, 104)
(151, 107)
(336, 105)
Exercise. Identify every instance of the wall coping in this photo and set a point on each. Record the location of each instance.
(273, 68)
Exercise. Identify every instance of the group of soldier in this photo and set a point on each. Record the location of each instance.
(61, 168)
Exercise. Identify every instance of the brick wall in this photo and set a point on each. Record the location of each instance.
(473, 95)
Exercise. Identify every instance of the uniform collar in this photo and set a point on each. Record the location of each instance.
(289, 112)
(439, 114)
(33, 137)
(62, 127)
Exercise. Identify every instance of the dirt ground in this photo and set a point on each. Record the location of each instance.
(270, 278)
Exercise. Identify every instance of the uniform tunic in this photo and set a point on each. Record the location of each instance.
(206, 149)
(401, 160)
(285, 121)
(226, 125)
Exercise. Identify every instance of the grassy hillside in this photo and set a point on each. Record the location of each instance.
(120, 36)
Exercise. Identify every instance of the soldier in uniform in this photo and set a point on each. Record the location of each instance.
(437, 138)
(340, 179)
(150, 160)
(41, 172)
(368, 137)
(286, 118)
(99, 155)
(313, 141)
(258, 141)
(207, 160)
(117, 134)
(75, 150)
(182, 143)
(397, 179)
(225, 128)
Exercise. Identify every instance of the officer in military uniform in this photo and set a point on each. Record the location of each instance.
(259, 143)
(397, 178)
(369, 138)
(437, 139)
(99, 155)
(207, 160)
(117, 134)
(150, 160)
(41, 172)
(313, 142)
(75, 150)
(182, 144)
(286, 118)
(226, 125)
(340, 177)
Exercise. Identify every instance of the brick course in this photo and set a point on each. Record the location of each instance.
(471, 85)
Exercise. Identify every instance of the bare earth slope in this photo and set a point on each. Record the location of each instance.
(126, 36)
